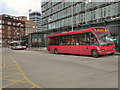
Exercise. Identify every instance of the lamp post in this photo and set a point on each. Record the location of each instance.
(49, 20)
(29, 19)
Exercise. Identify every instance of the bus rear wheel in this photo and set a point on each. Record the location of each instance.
(94, 53)
(55, 51)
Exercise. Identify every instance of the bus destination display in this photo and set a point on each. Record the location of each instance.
(101, 30)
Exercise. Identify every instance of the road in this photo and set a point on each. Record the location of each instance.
(40, 69)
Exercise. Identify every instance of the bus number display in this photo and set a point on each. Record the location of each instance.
(101, 30)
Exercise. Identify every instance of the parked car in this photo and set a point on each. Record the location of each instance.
(18, 47)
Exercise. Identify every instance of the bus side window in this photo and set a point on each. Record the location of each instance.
(63, 40)
(82, 39)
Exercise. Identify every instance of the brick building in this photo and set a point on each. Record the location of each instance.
(12, 28)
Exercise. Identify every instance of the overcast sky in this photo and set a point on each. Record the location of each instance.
(19, 7)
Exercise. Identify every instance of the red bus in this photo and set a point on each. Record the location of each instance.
(92, 41)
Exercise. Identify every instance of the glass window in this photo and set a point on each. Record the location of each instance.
(9, 23)
(63, 40)
(105, 39)
(2, 22)
(93, 39)
(82, 40)
(53, 41)
(72, 40)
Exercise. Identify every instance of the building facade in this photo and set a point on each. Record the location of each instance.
(30, 26)
(36, 17)
(59, 17)
(12, 28)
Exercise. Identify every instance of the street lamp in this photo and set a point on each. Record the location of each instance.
(49, 20)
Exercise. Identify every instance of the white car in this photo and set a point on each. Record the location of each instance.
(18, 47)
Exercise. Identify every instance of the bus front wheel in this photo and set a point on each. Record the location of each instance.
(94, 53)
(55, 51)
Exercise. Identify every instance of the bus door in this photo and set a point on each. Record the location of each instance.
(93, 42)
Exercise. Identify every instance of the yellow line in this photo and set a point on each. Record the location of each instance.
(11, 65)
(10, 68)
(4, 63)
(23, 73)
(7, 85)
(15, 80)
(10, 84)
(9, 75)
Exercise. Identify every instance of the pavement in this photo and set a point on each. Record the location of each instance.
(45, 49)
(37, 49)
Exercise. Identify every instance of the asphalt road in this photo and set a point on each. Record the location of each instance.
(40, 69)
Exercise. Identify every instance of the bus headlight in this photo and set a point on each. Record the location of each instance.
(113, 48)
(102, 50)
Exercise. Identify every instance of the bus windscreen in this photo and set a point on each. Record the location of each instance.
(105, 39)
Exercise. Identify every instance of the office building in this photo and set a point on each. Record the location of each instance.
(36, 17)
(59, 17)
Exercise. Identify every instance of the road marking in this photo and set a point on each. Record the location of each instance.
(15, 80)
(10, 84)
(11, 73)
(9, 76)
(11, 65)
(23, 73)
(19, 72)
(10, 69)
(4, 63)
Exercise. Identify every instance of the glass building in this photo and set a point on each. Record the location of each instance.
(63, 16)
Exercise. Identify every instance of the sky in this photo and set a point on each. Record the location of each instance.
(19, 7)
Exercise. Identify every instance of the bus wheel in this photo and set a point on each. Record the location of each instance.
(55, 51)
(94, 53)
